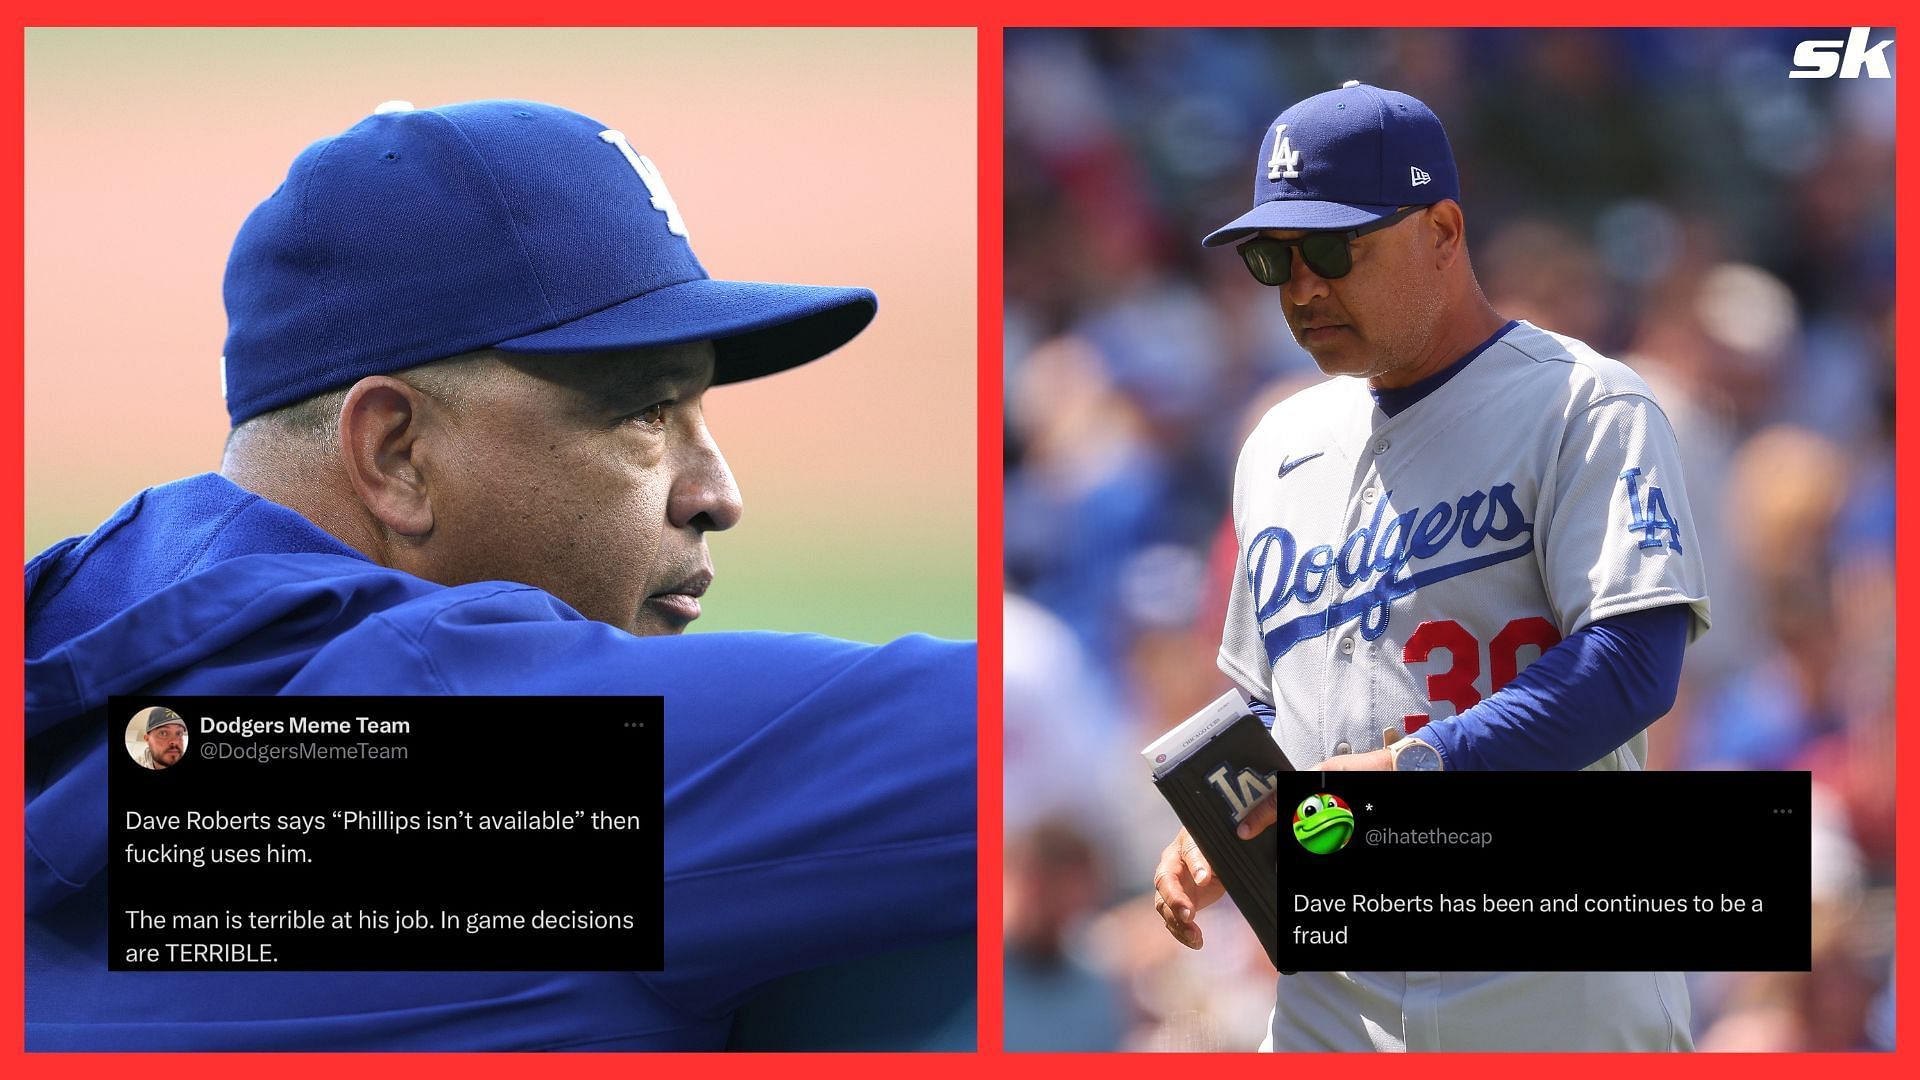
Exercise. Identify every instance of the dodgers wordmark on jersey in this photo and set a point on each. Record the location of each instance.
(1397, 570)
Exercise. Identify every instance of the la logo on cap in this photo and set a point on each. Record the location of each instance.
(1285, 162)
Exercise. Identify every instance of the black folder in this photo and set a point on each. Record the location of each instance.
(1212, 769)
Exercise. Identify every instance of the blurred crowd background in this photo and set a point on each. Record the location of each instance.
(1671, 198)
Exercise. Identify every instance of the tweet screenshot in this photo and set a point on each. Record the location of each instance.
(385, 833)
(1508, 871)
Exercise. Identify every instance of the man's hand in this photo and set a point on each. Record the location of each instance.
(1184, 883)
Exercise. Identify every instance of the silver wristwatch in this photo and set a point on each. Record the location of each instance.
(1411, 754)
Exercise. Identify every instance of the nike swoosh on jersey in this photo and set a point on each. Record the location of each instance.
(1288, 466)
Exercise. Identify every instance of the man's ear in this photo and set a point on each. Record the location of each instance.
(380, 426)
(1449, 232)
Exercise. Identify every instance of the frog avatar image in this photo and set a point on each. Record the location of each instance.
(1323, 824)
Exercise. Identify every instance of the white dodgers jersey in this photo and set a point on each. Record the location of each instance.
(1397, 570)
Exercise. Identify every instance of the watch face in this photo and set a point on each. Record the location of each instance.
(1417, 756)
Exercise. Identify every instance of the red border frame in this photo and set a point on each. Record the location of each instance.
(990, 516)
(990, 17)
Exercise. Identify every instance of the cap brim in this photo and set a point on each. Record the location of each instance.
(757, 328)
(1296, 214)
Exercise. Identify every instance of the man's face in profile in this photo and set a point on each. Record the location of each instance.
(167, 742)
(592, 476)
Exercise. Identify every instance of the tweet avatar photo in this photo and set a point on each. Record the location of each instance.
(1323, 823)
(157, 737)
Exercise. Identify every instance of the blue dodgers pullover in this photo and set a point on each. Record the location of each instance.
(819, 802)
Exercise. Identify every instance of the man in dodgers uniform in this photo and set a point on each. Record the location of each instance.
(1474, 552)
(467, 354)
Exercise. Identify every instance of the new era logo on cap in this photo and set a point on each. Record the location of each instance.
(1420, 176)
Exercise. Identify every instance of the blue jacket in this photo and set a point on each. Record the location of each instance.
(819, 799)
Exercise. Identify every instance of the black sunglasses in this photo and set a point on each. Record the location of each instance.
(1325, 253)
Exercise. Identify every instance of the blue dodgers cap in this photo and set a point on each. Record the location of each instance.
(1343, 158)
(419, 234)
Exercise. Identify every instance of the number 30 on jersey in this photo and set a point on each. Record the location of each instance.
(1455, 685)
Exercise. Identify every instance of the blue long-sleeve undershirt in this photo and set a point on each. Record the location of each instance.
(1575, 704)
